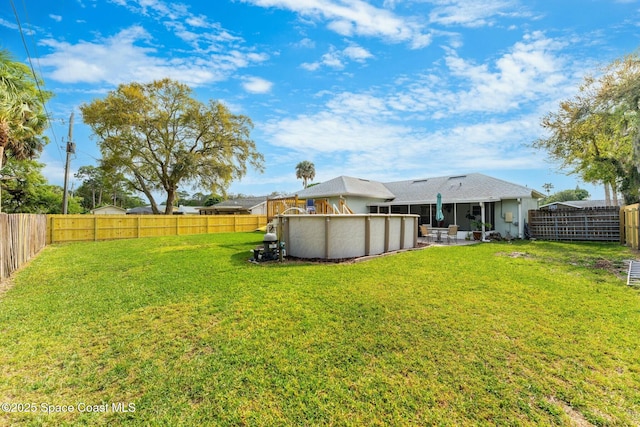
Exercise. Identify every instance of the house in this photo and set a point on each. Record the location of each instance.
(141, 210)
(240, 206)
(464, 198)
(357, 193)
(187, 210)
(109, 210)
(577, 204)
(180, 210)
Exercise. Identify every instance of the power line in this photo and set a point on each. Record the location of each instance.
(33, 72)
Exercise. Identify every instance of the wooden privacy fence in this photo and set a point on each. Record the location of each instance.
(22, 236)
(630, 225)
(594, 224)
(74, 228)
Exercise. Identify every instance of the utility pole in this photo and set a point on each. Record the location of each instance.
(71, 149)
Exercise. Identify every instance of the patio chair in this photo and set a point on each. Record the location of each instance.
(452, 234)
(425, 230)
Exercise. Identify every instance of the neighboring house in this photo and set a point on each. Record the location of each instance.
(141, 210)
(180, 210)
(109, 210)
(187, 210)
(464, 198)
(577, 204)
(240, 206)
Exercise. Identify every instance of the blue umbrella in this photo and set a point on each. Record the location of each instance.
(439, 214)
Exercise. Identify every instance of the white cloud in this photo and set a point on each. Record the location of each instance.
(197, 21)
(428, 117)
(8, 24)
(337, 59)
(124, 57)
(331, 59)
(257, 85)
(349, 104)
(360, 134)
(196, 30)
(356, 18)
(305, 43)
(471, 13)
(327, 132)
(56, 18)
(533, 69)
(357, 53)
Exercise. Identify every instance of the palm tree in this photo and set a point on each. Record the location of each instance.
(306, 171)
(22, 112)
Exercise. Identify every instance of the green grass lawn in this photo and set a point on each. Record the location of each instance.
(185, 331)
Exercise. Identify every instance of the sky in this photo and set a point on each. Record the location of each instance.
(386, 90)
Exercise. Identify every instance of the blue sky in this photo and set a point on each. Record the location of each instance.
(378, 89)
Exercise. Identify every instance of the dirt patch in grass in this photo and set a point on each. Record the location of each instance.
(577, 419)
(515, 254)
(615, 267)
(5, 285)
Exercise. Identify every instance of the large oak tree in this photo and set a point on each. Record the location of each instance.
(160, 138)
(596, 133)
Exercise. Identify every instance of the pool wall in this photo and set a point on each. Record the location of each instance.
(347, 236)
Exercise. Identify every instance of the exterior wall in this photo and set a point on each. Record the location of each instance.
(261, 209)
(108, 210)
(456, 213)
(519, 211)
(357, 204)
(347, 236)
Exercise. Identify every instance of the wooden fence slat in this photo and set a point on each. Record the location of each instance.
(22, 236)
(630, 217)
(72, 228)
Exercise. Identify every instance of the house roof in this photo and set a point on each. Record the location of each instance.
(188, 209)
(347, 186)
(245, 203)
(109, 207)
(578, 204)
(472, 187)
(142, 210)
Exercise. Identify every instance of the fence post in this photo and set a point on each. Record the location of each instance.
(95, 228)
(622, 226)
(636, 229)
(2, 243)
(51, 228)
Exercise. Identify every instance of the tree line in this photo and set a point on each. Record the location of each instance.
(154, 138)
(157, 139)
